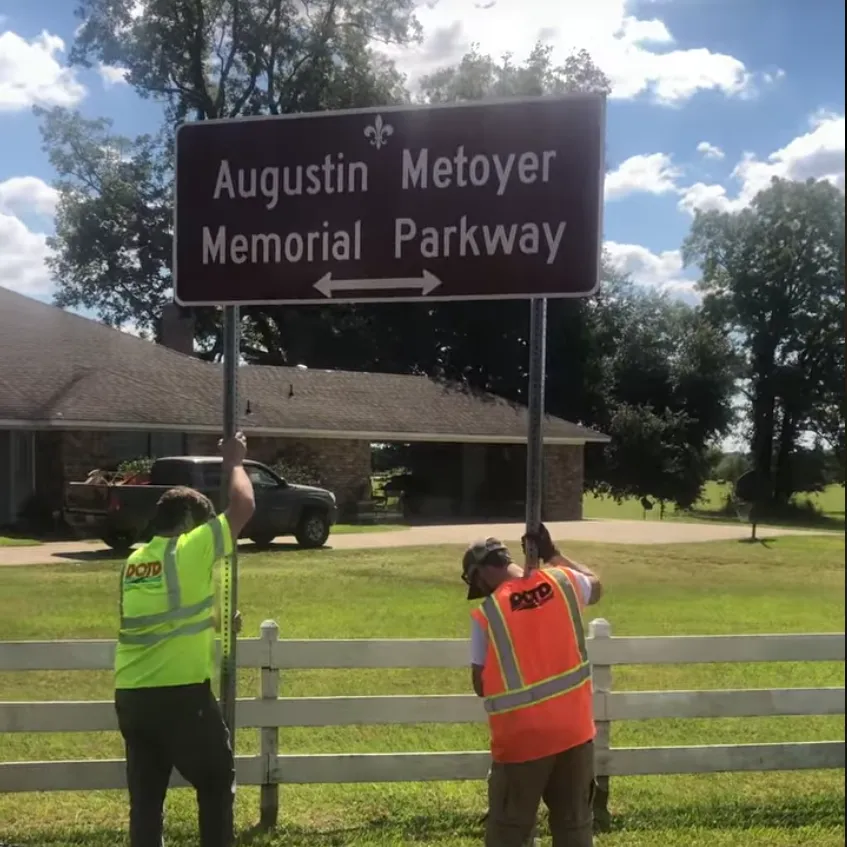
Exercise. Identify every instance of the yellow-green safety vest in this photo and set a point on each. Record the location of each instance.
(167, 626)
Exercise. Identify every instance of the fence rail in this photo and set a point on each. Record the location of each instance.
(269, 712)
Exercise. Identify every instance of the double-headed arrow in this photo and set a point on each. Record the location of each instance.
(427, 283)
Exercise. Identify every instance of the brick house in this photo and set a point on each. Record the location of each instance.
(76, 395)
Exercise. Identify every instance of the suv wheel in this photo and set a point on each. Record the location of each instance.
(313, 530)
(120, 542)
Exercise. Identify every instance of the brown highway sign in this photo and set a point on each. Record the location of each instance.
(490, 200)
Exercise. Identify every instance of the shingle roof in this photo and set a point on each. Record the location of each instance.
(63, 370)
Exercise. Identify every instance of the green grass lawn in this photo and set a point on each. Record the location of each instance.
(791, 585)
(829, 503)
(354, 528)
(17, 541)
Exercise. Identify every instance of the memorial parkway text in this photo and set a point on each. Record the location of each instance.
(419, 172)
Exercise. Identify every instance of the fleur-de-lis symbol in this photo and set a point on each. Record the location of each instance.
(379, 133)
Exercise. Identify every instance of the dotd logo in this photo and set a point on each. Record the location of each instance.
(143, 572)
(532, 599)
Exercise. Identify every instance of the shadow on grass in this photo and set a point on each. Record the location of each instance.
(799, 519)
(90, 556)
(264, 549)
(822, 811)
(765, 542)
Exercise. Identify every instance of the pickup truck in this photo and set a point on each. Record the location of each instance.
(120, 514)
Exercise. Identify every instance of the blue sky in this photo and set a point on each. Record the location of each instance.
(757, 86)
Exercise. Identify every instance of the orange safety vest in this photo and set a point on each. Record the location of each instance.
(537, 679)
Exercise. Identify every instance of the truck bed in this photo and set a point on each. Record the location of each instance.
(88, 506)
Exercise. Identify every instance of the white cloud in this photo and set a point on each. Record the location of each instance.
(636, 53)
(773, 76)
(651, 173)
(23, 256)
(24, 194)
(710, 151)
(663, 271)
(31, 74)
(111, 74)
(817, 154)
(23, 252)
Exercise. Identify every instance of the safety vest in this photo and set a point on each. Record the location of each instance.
(167, 629)
(536, 679)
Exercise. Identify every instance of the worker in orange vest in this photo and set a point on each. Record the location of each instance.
(529, 664)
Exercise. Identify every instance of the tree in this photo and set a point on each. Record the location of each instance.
(112, 247)
(200, 59)
(730, 468)
(479, 76)
(666, 380)
(773, 278)
(203, 59)
(225, 58)
(651, 456)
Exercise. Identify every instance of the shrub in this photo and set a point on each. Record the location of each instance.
(139, 466)
(298, 472)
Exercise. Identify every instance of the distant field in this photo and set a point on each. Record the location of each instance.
(17, 541)
(719, 588)
(829, 502)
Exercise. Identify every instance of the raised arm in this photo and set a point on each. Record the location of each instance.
(559, 560)
(241, 503)
(551, 555)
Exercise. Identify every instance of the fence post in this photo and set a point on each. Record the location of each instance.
(601, 676)
(269, 736)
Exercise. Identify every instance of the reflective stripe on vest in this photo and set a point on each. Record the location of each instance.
(518, 695)
(540, 691)
(151, 638)
(566, 587)
(218, 534)
(176, 611)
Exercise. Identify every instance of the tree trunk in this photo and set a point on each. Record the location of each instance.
(763, 414)
(783, 481)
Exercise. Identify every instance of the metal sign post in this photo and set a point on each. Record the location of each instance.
(535, 442)
(229, 571)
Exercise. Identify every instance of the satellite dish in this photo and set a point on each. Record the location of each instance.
(752, 487)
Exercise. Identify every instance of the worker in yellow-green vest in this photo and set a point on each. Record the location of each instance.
(165, 660)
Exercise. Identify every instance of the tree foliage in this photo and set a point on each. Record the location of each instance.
(652, 456)
(480, 76)
(200, 59)
(226, 58)
(731, 467)
(668, 378)
(640, 366)
(773, 278)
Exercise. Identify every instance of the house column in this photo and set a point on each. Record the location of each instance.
(473, 475)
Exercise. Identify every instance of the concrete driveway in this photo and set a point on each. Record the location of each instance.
(606, 531)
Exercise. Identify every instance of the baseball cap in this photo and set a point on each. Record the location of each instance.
(474, 556)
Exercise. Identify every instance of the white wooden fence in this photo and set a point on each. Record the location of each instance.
(269, 712)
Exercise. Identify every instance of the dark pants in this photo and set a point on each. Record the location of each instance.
(176, 727)
(566, 784)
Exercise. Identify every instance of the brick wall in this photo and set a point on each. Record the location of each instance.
(563, 480)
(343, 466)
(63, 457)
(83, 451)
